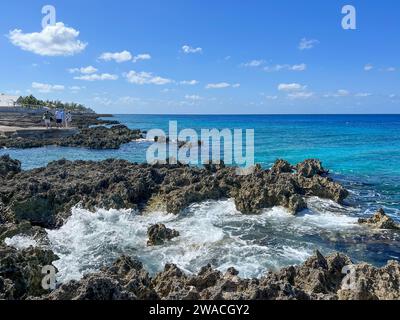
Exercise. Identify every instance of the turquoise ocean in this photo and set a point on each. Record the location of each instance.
(361, 151)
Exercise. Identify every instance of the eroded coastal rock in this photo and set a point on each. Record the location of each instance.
(45, 196)
(158, 234)
(319, 278)
(92, 138)
(8, 166)
(380, 221)
(21, 272)
(126, 279)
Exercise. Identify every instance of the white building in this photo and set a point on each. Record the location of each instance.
(8, 101)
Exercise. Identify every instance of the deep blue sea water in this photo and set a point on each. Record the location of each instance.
(362, 152)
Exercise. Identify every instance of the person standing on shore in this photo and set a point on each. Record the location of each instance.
(59, 119)
(68, 119)
(47, 116)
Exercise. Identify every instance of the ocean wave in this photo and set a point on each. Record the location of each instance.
(21, 242)
(210, 232)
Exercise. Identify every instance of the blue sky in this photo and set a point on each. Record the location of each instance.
(203, 56)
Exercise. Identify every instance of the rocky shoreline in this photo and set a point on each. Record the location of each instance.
(33, 200)
(45, 196)
(91, 134)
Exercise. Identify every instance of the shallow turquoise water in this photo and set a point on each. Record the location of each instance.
(362, 152)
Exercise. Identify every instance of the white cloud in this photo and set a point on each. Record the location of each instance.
(128, 100)
(56, 40)
(143, 56)
(188, 49)
(253, 63)
(97, 77)
(391, 69)
(118, 57)
(103, 101)
(299, 67)
(363, 94)
(76, 88)
(368, 67)
(222, 85)
(300, 95)
(46, 88)
(338, 94)
(83, 70)
(306, 44)
(189, 82)
(145, 78)
(271, 97)
(343, 93)
(291, 87)
(279, 67)
(193, 97)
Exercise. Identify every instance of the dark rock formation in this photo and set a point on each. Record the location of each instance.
(92, 138)
(319, 278)
(8, 166)
(380, 221)
(124, 280)
(310, 168)
(45, 196)
(21, 272)
(159, 233)
(102, 137)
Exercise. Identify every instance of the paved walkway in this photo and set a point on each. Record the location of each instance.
(34, 131)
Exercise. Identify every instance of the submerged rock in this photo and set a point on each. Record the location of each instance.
(380, 221)
(159, 233)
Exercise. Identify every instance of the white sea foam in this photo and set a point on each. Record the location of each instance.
(210, 232)
(20, 242)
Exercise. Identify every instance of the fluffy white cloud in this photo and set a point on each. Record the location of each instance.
(56, 40)
(143, 56)
(368, 67)
(222, 85)
(188, 49)
(46, 88)
(291, 87)
(253, 63)
(84, 70)
(306, 44)
(189, 82)
(97, 77)
(145, 78)
(280, 67)
(118, 57)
